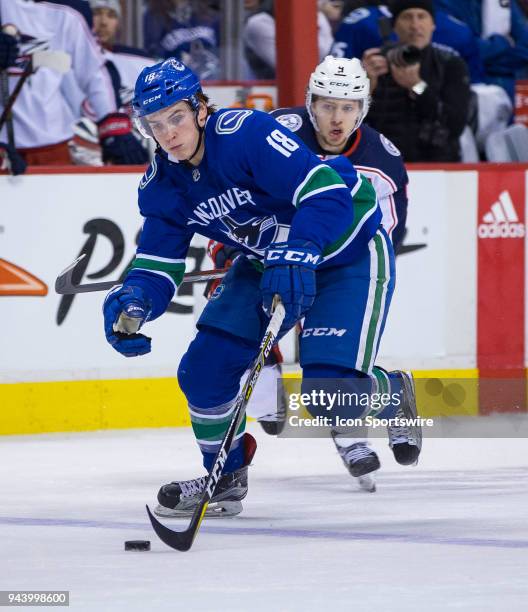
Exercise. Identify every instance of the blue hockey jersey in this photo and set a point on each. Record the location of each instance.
(257, 184)
(372, 155)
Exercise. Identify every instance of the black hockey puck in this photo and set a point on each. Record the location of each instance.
(137, 545)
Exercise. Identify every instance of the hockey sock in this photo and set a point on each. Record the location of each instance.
(209, 426)
(388, 386)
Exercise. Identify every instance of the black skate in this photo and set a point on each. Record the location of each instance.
(406, 442)
(179, 498)
(361, 461)
(273, 423)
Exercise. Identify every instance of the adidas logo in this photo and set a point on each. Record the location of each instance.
(502, 220)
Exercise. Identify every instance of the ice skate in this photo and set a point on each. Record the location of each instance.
(406, 442)
(179, 498)
(273, 423)
(360, 460)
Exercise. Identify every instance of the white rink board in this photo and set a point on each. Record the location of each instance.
(432, 319)
(43, 220)
(431, 325)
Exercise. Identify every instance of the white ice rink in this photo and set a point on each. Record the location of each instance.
(449, 534)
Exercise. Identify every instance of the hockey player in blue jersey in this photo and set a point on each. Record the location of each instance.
(237, 176)
(331, 124)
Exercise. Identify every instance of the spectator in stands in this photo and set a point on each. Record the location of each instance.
(370, 26)
(41, 113)
(127, 61)
(259, 38)
(333, 11)
(124, 63)
(189, 31)
(502, 30)
(420, 93)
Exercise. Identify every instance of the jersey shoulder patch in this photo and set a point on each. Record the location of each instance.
(292, 121)
(389, 146)
(150, 173)
(230, 121)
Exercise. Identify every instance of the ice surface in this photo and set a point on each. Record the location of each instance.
(449, 534)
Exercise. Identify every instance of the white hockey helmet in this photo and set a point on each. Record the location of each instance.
(342, 78)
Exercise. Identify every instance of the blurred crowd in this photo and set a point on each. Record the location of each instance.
(443, 73)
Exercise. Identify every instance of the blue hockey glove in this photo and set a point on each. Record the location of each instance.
(11, 159)
(125, 310)
(119, 145)
(8, 50)
(289, 270)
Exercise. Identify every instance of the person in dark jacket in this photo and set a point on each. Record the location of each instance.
(421, 92)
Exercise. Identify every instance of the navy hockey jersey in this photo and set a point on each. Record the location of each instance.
(372, 155)
(257, 184)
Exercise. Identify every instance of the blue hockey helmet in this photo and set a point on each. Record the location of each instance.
(162, 85)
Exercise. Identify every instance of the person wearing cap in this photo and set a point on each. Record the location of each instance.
(420, 92)
(370, 26)
(123, 62)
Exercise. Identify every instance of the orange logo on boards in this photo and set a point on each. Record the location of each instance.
(17, 281)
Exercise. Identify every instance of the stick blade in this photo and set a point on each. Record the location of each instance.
(60, 61)
(179, 540)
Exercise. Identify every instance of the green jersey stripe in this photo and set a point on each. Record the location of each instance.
(380, 291)
(365, 205)
(173, 270)
(376, 301)
(320, 178)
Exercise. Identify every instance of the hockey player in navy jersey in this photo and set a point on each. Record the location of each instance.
(239, 177)
(331, 124)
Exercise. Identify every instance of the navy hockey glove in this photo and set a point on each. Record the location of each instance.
(119, 145)
(8, 50)
(12, 161)
(289, 270)
(120, 331)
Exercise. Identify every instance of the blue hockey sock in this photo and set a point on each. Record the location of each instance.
(209, 427)
(387, 384)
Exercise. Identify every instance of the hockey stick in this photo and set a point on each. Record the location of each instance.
(64, 284)
(59, 61)
(182, 540)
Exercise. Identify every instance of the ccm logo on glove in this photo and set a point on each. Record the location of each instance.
(293, 256)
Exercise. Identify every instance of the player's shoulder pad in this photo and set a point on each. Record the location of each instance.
(231, 120)
(290, 117)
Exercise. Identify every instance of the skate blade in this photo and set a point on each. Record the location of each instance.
(223, 509)
(367, 483)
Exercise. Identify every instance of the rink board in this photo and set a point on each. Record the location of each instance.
(459, 304)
